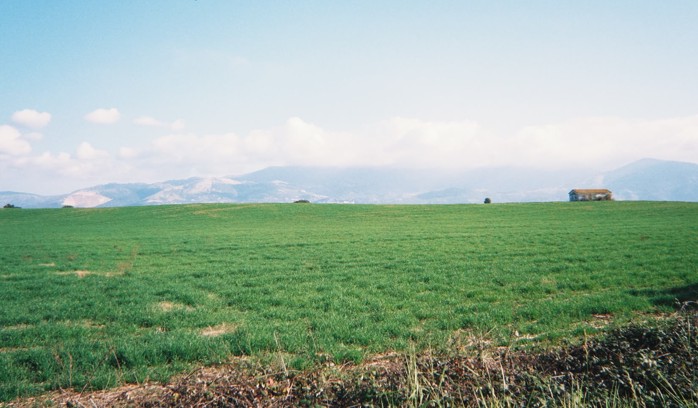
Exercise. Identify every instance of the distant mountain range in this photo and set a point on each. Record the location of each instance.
(654, 180)
(647, 179)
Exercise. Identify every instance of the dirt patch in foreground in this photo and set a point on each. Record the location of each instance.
(634, 366)
(223, 328)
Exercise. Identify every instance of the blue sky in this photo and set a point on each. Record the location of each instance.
(92, 91)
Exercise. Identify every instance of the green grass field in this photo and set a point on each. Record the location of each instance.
(91, 298)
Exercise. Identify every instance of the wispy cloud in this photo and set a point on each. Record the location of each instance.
(11, 142)
(176, 125)
(148, 121)
(85, 151)
(31, 118)
(103, 116)
(86, 163)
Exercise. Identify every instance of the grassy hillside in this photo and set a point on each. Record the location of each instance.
(96, 297)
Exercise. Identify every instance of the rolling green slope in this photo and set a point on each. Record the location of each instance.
(92, 298)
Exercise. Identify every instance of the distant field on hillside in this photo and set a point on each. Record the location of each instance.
(95, 297)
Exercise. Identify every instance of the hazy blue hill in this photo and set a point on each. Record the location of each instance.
(394, 185)
(27, 200)
(505, 184)
(654, 180)
(345, 182)
(225, 190)
(125, 194)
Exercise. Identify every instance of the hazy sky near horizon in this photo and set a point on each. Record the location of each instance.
(93, 92)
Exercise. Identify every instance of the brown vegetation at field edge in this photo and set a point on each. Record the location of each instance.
(631, 366)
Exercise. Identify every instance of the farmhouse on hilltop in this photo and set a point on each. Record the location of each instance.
(591, 195)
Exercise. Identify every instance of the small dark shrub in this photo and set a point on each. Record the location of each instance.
(488, 201)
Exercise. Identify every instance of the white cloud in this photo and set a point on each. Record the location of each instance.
(407, 142)
(177, 125)
(85, 151)
(11, 142)
(103, 116)
(128, 153)
(606, 141)
(600, 143)
(399, 141)
(193, 149)
(148, 121)
(35, 136)
(418, 143)
(31, 118)
(61, 163)
(88, 164)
